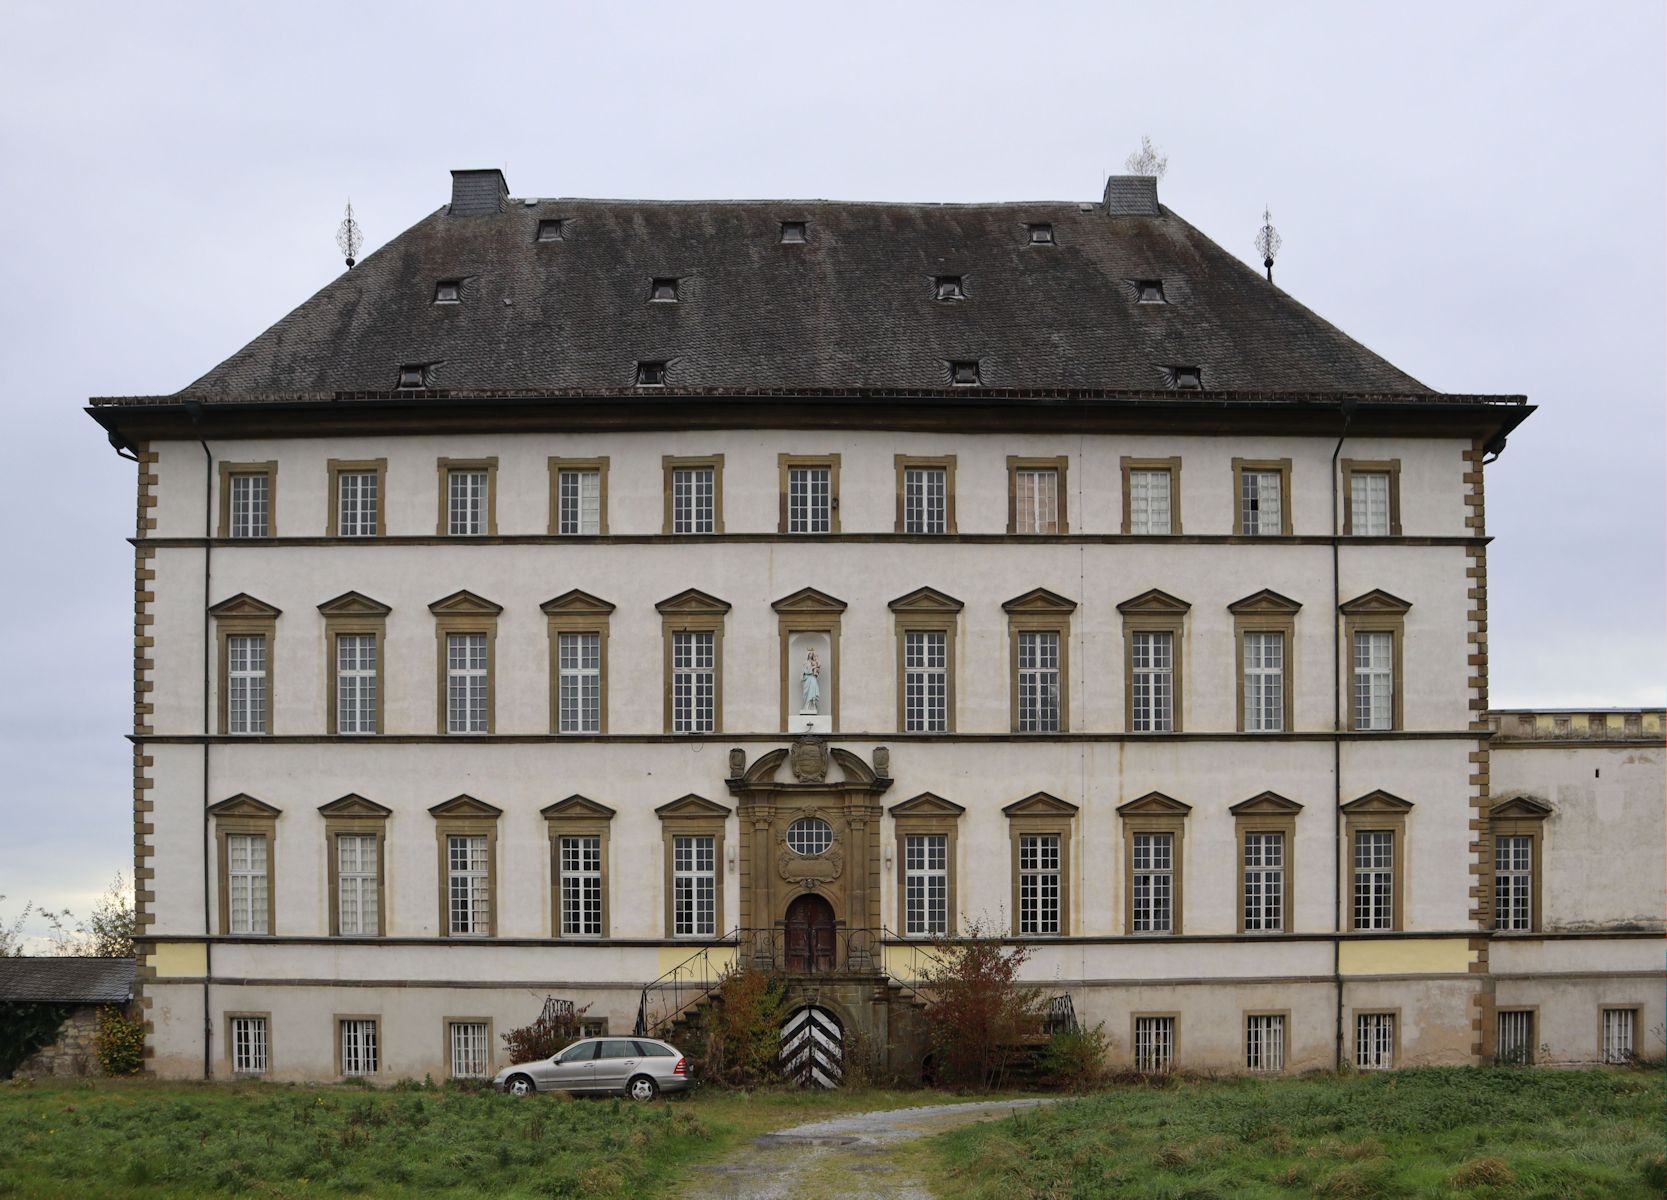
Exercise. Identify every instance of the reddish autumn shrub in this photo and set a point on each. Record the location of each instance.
(980, 1014)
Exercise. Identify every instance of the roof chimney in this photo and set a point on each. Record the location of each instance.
(1132, 196)
(478, 193)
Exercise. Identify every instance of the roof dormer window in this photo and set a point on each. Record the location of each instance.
(448, 291)
(651, 374)
(664, 290)
(949, 288)
(549, 229)
(1041, 234)
(1186, 379)
(964, 372)
(413, 375)
(795, 232)
(1151, 291)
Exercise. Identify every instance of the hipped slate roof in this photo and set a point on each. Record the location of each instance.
(66, 980)
(851, 308)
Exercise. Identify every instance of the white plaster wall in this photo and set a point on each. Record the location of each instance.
(1602, 852)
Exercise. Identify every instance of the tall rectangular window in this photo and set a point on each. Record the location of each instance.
(466, 683)
(1038, 682)
(1264, 1043)
(1369, 503)
(580, 685)
(1374, 879)
(249, 1045)
(471, 1050)
(1150, 502)
(251, 504)
(356, 504)
(693, 499)
(356, 683)
(1264, 882)
(358, 1047)
(579, 494)
(925, 884)
(925, 682)
(694, 881)
(581, 886)
(1374, 680)
(246, 683)
(1513, 882)
(925, 496)
(1152, 687)
(1153, 895)
(1035, 500)
(1259, 503)
(468, 885)
(1619, 1030)
(693, 682)
(1374, 1041)
(357, 885)
(1514, 1038)
(466, 499)
(247, 894)
(1154, 1044)
(809, 499)
(1038, 883)
(1264, 682)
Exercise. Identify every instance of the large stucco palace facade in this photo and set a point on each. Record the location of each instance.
(575, 586)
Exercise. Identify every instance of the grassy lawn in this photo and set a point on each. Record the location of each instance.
(1484, 1133)
(139, 1138)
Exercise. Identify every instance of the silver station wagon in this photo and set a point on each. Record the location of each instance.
(640, 1068)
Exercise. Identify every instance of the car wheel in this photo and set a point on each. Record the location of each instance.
(520, 1085)
(642, 1087)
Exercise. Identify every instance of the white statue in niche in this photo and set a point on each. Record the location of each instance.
(810, 683)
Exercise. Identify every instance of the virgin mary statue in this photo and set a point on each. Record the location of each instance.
(810, 682)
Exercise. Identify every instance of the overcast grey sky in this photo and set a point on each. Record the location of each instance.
(1474, 190)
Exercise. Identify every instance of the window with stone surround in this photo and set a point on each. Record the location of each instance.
(1036, 496)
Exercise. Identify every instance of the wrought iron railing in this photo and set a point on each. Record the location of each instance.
(685, 985)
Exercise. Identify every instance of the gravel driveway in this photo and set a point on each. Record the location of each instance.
(841, 1159)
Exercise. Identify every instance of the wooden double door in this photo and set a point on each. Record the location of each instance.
(811, 935)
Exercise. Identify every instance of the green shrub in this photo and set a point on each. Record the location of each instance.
(555, 1030)
(25, 1028)
(120, 1042)
(743, 1034)
(980, 1014)
(1076, 1059)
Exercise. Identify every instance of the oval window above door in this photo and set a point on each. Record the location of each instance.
(809, 836)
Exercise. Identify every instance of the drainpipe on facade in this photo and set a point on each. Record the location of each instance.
(1337, 744)
(194, 410)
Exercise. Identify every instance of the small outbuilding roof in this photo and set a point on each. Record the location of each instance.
(66, 980)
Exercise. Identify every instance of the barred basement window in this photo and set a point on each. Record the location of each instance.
(1264, 882)
(925, 495)
(1374, 680)
(579, 501)
(356, 504)
(1264, 682)
(471, 1049)
(581, 886)
(694, 886)
(247, 885)
(1374, 1041)
(1154, 1044)
(249, 1045)
(925, 884)
(1374, 879)
(250, 505)
(1154, 883)
(580, 685)
(358, 1046)
(1619, 1029)
(1038, 682)
(1264, 1043)
(1514, 1040)
(693, 491)
(356, 884)
(1513, 882)
(694, 678)
(246, 683)
(466, 683)
(1038, 883)
(809, 499)
(1153, 683)
(925, 682)
(466, 499)
(356, 683)
(468, 885)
